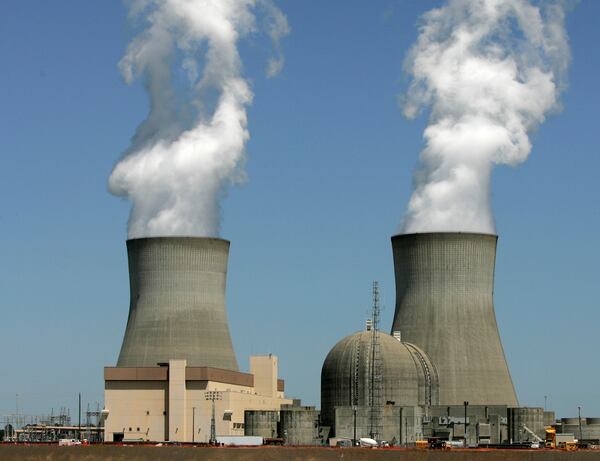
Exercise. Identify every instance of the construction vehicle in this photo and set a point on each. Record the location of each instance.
(564, 441)
(550, 437)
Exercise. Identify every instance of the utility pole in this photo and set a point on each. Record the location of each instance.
(545, 401)
(579, 415)
(466, 405)
(354, 384)
(79, 424)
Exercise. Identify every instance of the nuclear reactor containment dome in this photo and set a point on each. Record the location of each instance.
(444, 304)
(408, 377)
(177, 308)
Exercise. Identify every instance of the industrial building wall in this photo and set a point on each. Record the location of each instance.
(261, 423)
(485, 423)
(521, 420)
(170, 403)
(402, 424)
(140, 409)
(583, 428)
(229, 411)
(136, 409)
(300, 425)
(444, 305)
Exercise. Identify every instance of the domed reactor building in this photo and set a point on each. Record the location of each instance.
(442, 373)
(368, 377)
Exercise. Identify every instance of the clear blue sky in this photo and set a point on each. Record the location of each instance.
(330, 166)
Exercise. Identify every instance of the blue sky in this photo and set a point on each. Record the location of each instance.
(329, 167)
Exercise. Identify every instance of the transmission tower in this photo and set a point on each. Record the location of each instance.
(375, 378)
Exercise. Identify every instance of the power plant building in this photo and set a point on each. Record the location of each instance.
(443, 372)
(174, 402)
(177, 358)
(405, 376)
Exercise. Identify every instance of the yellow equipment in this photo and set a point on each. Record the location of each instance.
(550, 437)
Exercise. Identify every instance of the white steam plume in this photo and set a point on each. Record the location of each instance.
(490, 70)
(191, 145)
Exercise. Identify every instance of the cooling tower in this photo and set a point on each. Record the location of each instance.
(177, 308)
(444, 304)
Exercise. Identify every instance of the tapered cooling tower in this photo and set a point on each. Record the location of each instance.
(177, 308)
(444, 304)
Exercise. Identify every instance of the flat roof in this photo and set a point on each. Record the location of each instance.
(218, 375)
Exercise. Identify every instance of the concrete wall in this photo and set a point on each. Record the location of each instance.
(261, 423)
(589, 429)
(444, 305)
(400, 424)
(299, 425)
(177, 308)
(484, 423)
(525, 417)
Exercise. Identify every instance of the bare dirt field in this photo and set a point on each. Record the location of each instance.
(146, 453)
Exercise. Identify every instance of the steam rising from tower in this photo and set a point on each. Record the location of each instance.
(191, 145)
(490, 70)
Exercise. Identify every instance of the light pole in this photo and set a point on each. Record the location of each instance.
(213, 396)
(79, 423)
(466, 403)
(400, 427)
(545, 401)
(193, 424)
(354, 439)
(579, 416)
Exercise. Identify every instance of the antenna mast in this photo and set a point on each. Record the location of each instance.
(375, 390)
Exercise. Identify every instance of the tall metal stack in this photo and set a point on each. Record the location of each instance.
(177, 308)
(375, 378)
(444, 305)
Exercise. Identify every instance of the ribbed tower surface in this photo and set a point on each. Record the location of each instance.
(444, 304)
(407, 375)
(177, 308)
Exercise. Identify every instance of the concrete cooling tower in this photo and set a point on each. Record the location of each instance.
(177, 308)
(444, 305)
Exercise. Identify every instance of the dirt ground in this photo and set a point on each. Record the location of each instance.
(146, 453)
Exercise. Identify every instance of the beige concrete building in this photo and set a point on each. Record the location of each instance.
(171, 402)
